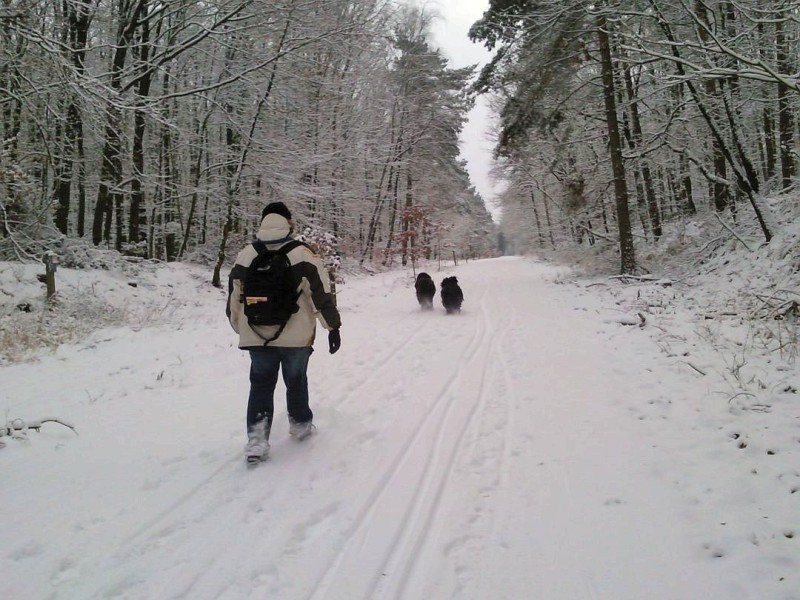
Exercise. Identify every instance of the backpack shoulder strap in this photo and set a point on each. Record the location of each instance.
(259, 246)
(289, 246)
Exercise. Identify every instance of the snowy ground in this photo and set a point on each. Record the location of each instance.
(533, 447)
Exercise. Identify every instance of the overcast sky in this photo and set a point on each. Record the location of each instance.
(451, 36)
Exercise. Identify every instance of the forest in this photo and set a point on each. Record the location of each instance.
(620, 120)
(159, 130)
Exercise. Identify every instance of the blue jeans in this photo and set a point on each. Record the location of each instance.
(264, 366)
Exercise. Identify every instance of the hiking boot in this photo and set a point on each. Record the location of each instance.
(256, 449)
(301, 431)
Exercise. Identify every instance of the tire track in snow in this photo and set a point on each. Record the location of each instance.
(235, 516)
(190, 494)
(379, 366)
(380, 499)
(482, 532)
(428, 503)
(510, 401)
(177, 520)
(422, 554)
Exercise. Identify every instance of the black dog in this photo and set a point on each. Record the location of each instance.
(426, 290)
(452, 296)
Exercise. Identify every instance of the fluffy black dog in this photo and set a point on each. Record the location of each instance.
(452, 296)
(426, 290)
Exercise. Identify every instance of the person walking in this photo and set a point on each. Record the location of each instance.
(288, 349)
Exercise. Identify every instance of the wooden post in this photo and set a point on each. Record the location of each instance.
(455, 260)
(50, 260)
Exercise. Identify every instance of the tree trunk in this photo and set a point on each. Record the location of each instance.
(785, 116)
(11, 208)
(216, 279)
(62, 178)
(687, 190)
(627, 254)
(549, 222)
(720, 190)
(768, 134)
(109, 193)
(408, 244)
(81, 178)
(110, 176)
(202, 135)
(768, 120)
(539, 231)
(386, 176)
(387, 172)
(138, 211)
(387, 259)
(170, 210)
(65, 135)
(80, 16)
(647, 179)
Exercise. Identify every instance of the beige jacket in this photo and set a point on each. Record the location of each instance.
(315, 302)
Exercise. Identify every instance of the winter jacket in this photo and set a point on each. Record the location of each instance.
(315, 301)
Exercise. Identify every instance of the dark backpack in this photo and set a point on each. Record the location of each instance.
(269, 292)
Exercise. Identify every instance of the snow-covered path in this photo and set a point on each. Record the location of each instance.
(522, 449)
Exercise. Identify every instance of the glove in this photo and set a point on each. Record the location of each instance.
(334, 340)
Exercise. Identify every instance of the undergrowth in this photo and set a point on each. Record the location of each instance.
(741, 295)
(24, 334)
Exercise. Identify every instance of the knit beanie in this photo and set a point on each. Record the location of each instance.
(277, 208)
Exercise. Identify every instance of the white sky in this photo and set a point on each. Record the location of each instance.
(451, 35)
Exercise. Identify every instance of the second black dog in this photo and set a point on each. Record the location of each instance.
(426, 290)
(452, 296)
